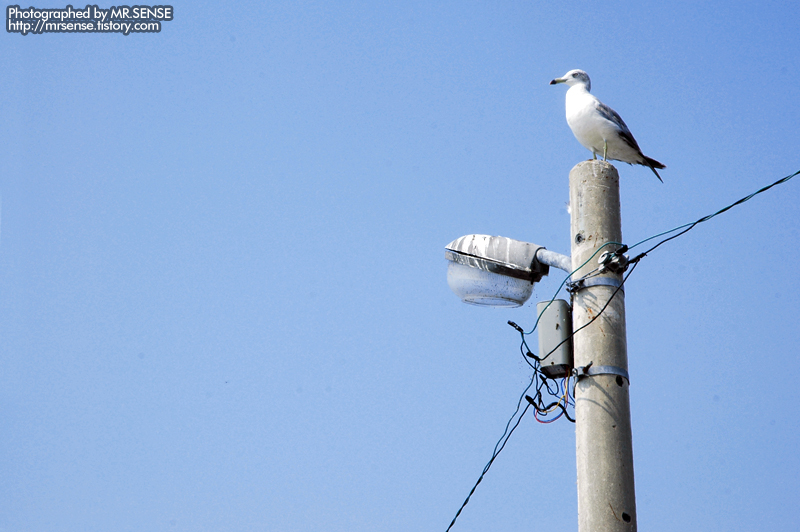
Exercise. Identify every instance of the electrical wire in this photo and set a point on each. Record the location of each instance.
(550, 408)
(610, 299)
(632, 263)
(499, 446)
(562, 404)
(522, 332)
(623, 248)
(547, 409)
(688, 227)
(562, 286)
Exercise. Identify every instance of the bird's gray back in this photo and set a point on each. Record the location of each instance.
(609, 114)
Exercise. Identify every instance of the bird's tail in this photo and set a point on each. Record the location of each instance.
(653, 164)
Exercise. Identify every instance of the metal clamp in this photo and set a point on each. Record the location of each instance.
(590, 371)
(580, 284)
(613, 261)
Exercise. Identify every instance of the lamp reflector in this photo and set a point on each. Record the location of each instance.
(479, 287)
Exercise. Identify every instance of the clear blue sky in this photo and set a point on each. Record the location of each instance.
(223, 302)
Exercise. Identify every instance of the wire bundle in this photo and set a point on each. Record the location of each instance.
(565, 400)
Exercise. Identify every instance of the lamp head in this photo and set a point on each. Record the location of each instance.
(493, 270)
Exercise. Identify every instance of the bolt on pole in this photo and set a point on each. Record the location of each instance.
(604, 449)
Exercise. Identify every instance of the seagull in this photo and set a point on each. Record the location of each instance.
(598, 127)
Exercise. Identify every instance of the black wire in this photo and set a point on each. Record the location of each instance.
(610, 299)
(551, 392)
(545, 409)
(497, 450)
(527, 354)
(545, 382)
(710, 216)
(633, 262)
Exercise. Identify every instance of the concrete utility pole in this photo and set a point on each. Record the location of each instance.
(606, 496)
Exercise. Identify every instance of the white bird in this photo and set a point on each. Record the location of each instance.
(598, 127)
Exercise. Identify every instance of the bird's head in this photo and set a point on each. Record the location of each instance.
(574, 77)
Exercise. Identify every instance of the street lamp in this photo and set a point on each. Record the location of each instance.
(497, 271)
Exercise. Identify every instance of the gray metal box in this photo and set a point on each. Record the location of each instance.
(555, 326)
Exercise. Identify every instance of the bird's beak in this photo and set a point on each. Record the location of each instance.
(557, 80)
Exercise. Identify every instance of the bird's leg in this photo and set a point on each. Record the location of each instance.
(594, 155)
(605, 150)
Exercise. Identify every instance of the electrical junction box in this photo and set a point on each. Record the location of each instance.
(555, 326)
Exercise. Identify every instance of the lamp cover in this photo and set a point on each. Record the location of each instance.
(493, 270)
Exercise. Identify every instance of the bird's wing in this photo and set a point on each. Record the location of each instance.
(611, 115)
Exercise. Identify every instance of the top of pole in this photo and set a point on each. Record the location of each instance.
(595, 209)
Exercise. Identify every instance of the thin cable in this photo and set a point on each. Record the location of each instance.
(522, 332)
(495, 452)
(688, 227)
(562, 286)
(544, 421)
(633, 263)
(547, 409)
(501, 443)
(610, 299)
